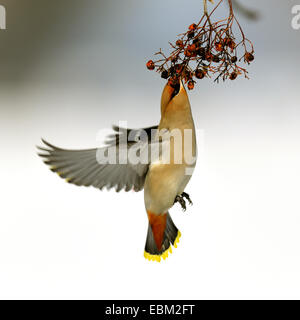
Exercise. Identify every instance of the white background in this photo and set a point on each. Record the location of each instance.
(241, 238)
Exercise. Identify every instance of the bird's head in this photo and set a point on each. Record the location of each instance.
(175, 95)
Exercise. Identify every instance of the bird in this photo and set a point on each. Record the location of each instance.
(169, 154)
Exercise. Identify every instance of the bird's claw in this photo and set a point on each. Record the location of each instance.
(186, 195)
(181, 201)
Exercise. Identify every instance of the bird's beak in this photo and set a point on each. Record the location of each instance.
(170, 92)
(182, 88)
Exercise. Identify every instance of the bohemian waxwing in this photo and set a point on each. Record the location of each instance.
(167, 158)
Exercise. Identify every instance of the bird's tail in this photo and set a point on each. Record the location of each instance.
(162, 232)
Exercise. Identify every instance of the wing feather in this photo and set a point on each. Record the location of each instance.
(80, 167)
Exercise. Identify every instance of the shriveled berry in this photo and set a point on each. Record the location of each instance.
(208, 56)
(249, 57)
(172, 71)
(193, 27)
(201, 52)
(174, 59)
(231, 44)
(150, 65)
(178, 68)
(191, 34)
(216, 59)
(179, 43)
(227, 41)
(234, 59)
(188, 75)
(200, 74)
(191, 85)
(165, 74)
(173, 81)
(233, 76)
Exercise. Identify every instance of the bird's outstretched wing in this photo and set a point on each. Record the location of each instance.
(85, 167)
(130, 135)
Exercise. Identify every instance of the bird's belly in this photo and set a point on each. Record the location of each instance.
(169, 174)
(163, 183)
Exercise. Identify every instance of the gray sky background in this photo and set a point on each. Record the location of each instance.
(71, 68)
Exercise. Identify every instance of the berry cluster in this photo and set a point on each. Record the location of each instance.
(206, 48)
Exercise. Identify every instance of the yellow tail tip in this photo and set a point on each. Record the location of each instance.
(165, 254)
(177, 239)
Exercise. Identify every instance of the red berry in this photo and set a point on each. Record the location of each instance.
(200, 74)
(188, 53)
(150, 65)
(219, 46)
(179, 43)
(165, 74)
(233, 76)
(249, 57)
(191, 85)
(234, 59)
(193, 27)
(191, 47)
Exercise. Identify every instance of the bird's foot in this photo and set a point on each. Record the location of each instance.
(186, 195)
(181, 201)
